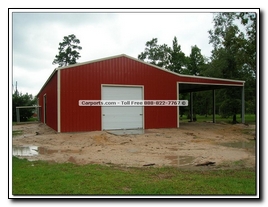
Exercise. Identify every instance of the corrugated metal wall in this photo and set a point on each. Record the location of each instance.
(51, 99)
(84, 83)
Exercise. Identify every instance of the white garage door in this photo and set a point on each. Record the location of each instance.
(122, 117)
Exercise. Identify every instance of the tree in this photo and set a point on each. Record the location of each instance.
(68, 53)
(172, 59)
(19, 99)
(248, 54)
(225, 39)
(177, 58)
(155, 54)
(195, 62)
(249, 46)
(194, 66)
(231, 49)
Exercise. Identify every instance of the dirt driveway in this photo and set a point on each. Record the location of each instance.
(227, 145)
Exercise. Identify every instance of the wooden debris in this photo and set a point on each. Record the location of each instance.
(124, 142)
(150, 164)
(205, 163)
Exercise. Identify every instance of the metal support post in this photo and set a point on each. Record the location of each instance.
(243, 105)
(192, 106)
(214, 106)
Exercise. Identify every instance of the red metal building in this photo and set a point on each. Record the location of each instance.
(117, 78)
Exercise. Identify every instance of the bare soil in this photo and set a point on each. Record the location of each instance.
(229, 146)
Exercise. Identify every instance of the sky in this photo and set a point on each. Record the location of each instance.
(102, 33)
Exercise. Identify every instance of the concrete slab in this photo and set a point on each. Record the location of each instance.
(126, 131)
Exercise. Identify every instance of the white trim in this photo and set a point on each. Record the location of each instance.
(27, 107)
(38, 110)
(58, 102)
(178, 108)
(122, 85)
(44, 108)
(217, 84)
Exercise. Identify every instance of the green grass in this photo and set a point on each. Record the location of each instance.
(16, 132)
(43, 178)
(249, 118)
(30, 120)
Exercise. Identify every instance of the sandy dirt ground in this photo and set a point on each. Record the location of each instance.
(187, 146)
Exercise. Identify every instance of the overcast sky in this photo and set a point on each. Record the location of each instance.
(36, 35)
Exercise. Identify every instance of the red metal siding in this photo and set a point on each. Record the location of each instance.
(51, 98)
(83, 82)
(78, 84)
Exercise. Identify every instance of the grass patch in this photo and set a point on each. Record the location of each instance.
(249, 118)
(43, 178)
(30, 120)
(16, 132)
(239, 164)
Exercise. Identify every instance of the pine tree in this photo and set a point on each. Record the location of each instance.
(68, 53)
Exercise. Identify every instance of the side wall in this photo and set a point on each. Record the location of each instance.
(50, 90)
(84, 83)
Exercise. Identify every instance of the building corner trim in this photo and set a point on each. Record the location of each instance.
(178, 108)
(58, 102)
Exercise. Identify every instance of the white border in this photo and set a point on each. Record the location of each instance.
(134, 4)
